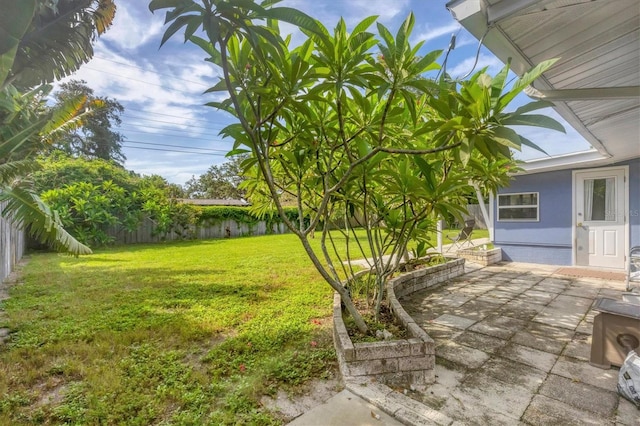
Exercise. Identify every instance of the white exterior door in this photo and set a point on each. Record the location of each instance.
(600, 197)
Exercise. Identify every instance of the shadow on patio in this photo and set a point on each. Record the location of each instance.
(513, 344)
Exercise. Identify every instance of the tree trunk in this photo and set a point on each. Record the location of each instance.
(351, 308)
(336, 285)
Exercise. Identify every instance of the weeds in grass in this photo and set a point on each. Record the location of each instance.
(157, 334)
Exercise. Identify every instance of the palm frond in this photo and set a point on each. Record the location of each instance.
(27, 211)
(14, 169)
(60, 40)
(69, 115)
(23, 116)
(19, 139)
(14, 21)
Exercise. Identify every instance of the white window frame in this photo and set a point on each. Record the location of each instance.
(528, 206)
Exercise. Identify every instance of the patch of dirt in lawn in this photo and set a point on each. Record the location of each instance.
(51, 392)
(312, 395)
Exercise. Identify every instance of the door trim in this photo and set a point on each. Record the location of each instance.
(574, 223)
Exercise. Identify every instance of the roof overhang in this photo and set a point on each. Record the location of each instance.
(576, 160)
(595, 84)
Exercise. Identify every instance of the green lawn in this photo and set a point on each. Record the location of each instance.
(182, 333)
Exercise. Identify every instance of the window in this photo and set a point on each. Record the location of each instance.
(518, 207)
(600, 199)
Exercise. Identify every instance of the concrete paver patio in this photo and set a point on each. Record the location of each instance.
(512, 347)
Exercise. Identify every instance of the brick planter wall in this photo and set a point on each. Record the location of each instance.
(481, 257)
(408, 362)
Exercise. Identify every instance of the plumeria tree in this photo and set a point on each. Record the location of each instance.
(347, 125)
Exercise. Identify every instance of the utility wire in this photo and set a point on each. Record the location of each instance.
(175, 150)
(185, 150)
(178, 146)
(180, 131)
(138, 80)
(154, 72)
(167, 135)
(168, 122)
(179, 116)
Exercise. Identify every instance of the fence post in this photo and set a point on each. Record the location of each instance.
(12, 244)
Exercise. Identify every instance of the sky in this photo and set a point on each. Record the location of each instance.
(170, 132)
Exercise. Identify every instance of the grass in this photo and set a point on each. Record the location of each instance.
(185, 333)
(182, 333)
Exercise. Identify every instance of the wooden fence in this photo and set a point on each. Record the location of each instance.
(223, 229)
(145, 233)
(476, 213)
(12, 246)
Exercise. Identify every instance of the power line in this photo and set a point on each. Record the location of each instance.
(138, 80)
(178, 116)
(178, 146)
(174, 136)
(123, 144)
(168, 122)
(154, 72)
(175, 150)
(181, 132)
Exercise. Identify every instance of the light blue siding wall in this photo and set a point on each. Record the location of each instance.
(549, 240)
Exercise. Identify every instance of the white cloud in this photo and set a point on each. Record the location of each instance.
(162, 96)
(467, 65)
(133, 28)
(433, 33)
(465, 40)
(143, 85)
(357, 10)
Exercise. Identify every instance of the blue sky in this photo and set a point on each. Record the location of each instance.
(168, 129)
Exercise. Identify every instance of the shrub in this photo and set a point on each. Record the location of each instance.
(88, 210)
(94, 195)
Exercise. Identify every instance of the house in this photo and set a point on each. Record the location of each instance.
(579, 209)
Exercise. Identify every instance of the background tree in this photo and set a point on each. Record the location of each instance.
(348, 131)
(40, 41)
(95, 138)
(219, 182)
(173, 190)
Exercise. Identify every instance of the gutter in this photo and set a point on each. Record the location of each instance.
(564, 162)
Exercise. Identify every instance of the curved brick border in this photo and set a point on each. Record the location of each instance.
(408, 362)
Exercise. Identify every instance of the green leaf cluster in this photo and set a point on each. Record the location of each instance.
(168, 214)
(245, 215)
(96, 198)
(88, 210)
